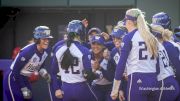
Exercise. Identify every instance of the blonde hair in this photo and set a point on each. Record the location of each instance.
(144, 30)
(166, 33)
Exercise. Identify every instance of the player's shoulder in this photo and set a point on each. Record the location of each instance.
(30, 48)
(59, 48)
(27, 51)
(167, 44)
(58, 44)
(114, 50)
(82, 48)
(170, 47)
(128, 37)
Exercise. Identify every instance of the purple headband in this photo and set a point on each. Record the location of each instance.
(128, 17)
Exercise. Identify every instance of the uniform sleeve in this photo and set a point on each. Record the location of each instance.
(20, 61)
(54, 71)
(109, 45)
(126, 48)
(87, 72)
(86, 60)
(87, 45)
(57, 44)
(111, 66)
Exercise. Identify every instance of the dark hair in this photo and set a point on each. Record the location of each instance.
(67, 57)
(37, 41)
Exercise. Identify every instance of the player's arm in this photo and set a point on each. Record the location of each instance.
(174, 58)
(54, 82)
(109, 45)
(87, 72)
(54, 71)
(20, 61)
(110, 71)
(125, 50)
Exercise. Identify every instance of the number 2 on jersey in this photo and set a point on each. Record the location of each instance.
(142, 50)
(75, 63)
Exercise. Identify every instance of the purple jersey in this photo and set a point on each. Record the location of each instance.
(173, 54)
(26, 62)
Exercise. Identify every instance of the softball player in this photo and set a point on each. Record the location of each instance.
(138, 55)
(169, 87)
(51, 86)
(30, 60)
(172, 48)
(92, 32)
(117, 34)
(72, 63)
(96, 31)
(99, 60)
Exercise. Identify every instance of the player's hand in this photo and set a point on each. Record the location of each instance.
(85, 22)
(33, 77)
(125, 76)
(115, 89)
(95, 65)
(44, 74)
(105, 35)
(114, 96)
(59, 94)
(106, 54)
(121, 95)
(26, 93)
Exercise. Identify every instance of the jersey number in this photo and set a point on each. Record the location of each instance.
(164, 58)
(75, 63)
(142, 50)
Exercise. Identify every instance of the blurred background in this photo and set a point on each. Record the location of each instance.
(18, 18)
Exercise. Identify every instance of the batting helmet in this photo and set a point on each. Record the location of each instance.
(42, 32)
(76, 26)
(162, 19)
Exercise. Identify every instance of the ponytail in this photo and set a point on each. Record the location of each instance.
(166, 33)
(67, 57)
(148, 37)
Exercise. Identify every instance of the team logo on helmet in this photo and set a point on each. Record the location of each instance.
(23, 58)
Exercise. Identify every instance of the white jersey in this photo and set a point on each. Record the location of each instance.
(140, 59)
(74, 73)
(164, 63)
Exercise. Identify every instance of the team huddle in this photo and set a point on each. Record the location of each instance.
(137, 61)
